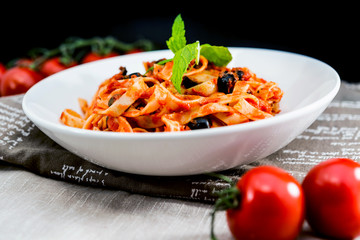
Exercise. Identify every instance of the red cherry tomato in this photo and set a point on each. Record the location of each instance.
(2, 72)
(2, 69)
(271, 206)
(93, 56)
(136, 50)
(332, 193)
(54, 65)
(18, 80)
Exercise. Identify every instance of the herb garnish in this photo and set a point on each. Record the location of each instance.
(185, 53)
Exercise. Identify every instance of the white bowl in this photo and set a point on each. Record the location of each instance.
(309, 85)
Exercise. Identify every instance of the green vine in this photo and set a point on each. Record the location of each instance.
(74, 49)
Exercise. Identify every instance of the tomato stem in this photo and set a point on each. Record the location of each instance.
(227, 199)
(221, 176)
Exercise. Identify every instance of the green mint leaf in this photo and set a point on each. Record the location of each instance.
(218, 55)
(177, 40)
(182, 59)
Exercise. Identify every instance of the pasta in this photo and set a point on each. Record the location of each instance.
(211, 96)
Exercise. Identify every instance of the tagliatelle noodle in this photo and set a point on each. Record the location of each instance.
(72, 118)
(150, 103)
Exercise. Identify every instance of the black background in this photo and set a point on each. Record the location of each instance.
(328, 33)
